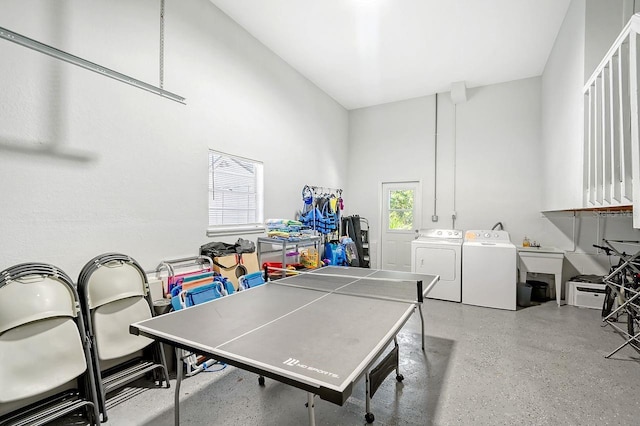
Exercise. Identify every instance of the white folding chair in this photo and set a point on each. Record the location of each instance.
(46, 368)
(114, 293)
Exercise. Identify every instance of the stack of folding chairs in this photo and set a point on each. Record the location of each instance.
(114, 293)
(46, 367)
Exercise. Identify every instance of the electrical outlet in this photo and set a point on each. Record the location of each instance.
(434, 218)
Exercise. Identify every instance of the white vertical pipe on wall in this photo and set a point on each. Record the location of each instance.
(434, 218)
(458, 95)
(454, 215)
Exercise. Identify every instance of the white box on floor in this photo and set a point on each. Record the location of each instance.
(585, 295)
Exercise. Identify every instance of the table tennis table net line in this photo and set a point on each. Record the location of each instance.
(338, 289)
(317, 274)
(355, 279)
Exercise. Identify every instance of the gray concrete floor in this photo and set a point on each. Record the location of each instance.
(540, 365)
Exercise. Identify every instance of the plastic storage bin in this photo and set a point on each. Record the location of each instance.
(539, 291)
(524, 294)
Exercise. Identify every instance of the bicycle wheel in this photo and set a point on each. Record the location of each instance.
(633, 326)
(607, 303)
(633, 315)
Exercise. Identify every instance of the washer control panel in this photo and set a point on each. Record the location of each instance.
(442, 234)
(487, 236)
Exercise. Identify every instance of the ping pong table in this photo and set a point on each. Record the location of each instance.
(319, 331)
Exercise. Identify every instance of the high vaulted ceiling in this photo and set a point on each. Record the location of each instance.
(369, 52)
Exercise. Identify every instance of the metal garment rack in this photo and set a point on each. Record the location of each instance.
(629, 297)
(323, 191)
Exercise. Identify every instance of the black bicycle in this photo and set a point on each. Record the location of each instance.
(622, 291)
(617, 275)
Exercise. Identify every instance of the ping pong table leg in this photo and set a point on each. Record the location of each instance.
(399, 377)
(375, 376)
(368, 414)
(176, 403)
(312, 415)
(422, 323)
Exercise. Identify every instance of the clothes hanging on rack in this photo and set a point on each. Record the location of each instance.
(321, 210)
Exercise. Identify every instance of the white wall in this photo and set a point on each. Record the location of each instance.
(603, 22)
(89, 165)
(495, 159)
(562, 119)
(498, 160)
(390, 142)
(588, 30)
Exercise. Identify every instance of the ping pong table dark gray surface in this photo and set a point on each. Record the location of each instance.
(314, 332)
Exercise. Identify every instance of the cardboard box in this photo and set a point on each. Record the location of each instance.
(234, 266)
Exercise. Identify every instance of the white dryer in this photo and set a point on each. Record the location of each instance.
(439, 252)
(489, 272)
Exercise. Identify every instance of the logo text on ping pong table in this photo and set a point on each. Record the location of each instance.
(296, 362)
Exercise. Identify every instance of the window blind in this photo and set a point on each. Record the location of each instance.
(235, 190)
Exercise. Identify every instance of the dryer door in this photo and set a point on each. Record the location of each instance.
(443, 261)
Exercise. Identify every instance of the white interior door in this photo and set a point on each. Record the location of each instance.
(401, 214)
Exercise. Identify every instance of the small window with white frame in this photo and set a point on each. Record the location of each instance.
(235, 194)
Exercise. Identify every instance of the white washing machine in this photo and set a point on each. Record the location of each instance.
(489, 271)
(439, 252)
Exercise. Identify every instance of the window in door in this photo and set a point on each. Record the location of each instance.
(401, 209)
